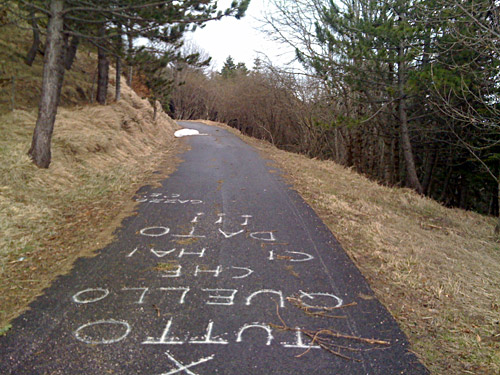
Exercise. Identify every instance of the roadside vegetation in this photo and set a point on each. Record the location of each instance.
(101, 155)
(436, 269)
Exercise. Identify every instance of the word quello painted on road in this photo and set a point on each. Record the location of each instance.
(210, 296)
(187, 265)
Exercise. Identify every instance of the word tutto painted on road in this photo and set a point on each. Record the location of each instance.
(118, 330)
(192, 274)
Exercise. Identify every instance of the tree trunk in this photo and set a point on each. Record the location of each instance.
(118, 85)
(411, 171)
(462, 203)
(71, 54)
(446, 183)
(396, 156)
(428, 190)
(430, 162)
(388, 166)
(30, 57)
(119, 51)
(337, 145)
(102, 72)
(92, 88)
(53, 75)
(407, 150)
(497, 226)
(130, 74)
(371, 153)
(356, 149)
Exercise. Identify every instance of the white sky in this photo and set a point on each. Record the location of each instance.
(239, 38)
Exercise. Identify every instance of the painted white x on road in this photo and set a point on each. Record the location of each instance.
(183, 367)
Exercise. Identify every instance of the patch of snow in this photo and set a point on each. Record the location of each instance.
(186, 132)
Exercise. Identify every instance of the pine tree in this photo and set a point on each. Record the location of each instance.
(371, 46)
(160, 21)
(231, 70)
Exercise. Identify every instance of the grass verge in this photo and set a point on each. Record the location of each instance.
(100, 156)
(50, 217)
(436, 269)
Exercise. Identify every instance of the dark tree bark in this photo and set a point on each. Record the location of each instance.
(102, 73)
(102, 76)
(119, 50)
(462, 203)
(130, 74)
(396, 156)
(446, 183)
(411, 171)
(118, 85)
(356, 149)
(388, 167)
(71, 53)
(430, 162)
(497, 226)
(53, 75)
(30, 57)
(348, 155)
(92, 88)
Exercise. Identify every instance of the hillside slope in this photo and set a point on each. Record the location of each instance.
(436, 269)
(100, 155)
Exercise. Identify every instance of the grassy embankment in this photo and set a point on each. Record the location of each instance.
(100, 155)
(436, 269)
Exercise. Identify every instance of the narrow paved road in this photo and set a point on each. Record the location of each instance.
(203, 281)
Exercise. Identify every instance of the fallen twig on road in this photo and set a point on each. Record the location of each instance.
(322, 310)
(324, 337)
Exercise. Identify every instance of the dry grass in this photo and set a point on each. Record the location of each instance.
(48, 218)
(436, 269)
(100, 155)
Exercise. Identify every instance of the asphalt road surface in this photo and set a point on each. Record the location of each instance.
(224, 270)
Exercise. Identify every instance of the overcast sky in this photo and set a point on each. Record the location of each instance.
(239, 38)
